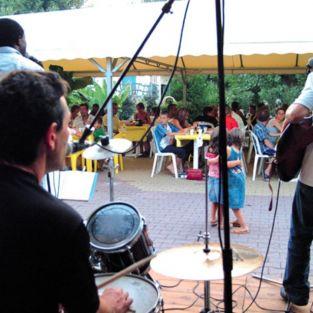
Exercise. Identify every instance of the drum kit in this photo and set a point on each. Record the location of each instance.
(121, 251)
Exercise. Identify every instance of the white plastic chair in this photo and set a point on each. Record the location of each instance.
(258, 155)
(161, 155)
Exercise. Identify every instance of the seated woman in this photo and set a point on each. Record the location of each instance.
(154, 115)
(164, 135)
(142, 115)
(275, 125)
(180, 120)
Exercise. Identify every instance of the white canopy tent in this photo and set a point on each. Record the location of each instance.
(261, 36)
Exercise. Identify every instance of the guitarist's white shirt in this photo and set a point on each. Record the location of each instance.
(306, 99)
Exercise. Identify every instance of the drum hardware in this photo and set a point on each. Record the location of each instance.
(204, 262)
(132, 258)
(207, 286)
(118, 238)
(126, 271)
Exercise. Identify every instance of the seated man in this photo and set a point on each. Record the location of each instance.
(84, 119)
(164, 134)
(263, 134)
(116, 120)
(208, 116)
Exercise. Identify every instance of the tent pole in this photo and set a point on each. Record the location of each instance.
(165, 10)
(109, 80)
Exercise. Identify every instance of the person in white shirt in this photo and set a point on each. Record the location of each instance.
(84, 119)
(296, 286)
(238, 115)
(13, 49)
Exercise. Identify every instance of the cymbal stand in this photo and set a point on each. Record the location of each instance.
(111, 173)
(206, 237)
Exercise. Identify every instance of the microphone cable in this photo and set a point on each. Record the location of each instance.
(165, 89)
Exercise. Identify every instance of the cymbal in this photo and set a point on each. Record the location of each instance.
(189, 262)
(118, 145)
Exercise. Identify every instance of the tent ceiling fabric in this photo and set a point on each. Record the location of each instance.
(261, 36)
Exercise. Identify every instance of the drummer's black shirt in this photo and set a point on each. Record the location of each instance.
(44, 250)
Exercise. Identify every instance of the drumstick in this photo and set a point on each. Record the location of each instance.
(126, 271)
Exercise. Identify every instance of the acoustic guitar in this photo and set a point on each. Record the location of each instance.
(291, 148)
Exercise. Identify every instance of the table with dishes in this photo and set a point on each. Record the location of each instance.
(197, 137)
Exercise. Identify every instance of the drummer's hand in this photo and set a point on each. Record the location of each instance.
(115, 301)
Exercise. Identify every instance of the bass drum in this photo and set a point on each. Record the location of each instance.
(145, 294)
(118, 238)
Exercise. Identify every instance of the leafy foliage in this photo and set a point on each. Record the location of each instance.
(202, 90)
(10, 7)
(150, 99)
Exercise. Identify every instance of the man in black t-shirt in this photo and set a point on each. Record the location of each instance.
(44, 245)
(208, 117)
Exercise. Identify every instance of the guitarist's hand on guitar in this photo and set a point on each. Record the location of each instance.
(295, 112)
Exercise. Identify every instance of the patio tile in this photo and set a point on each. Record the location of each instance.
(174, 210)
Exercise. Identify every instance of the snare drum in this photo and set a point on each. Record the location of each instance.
(118, 238)
(145, 294)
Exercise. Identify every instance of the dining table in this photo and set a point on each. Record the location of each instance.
(133, 133)
(197, 138)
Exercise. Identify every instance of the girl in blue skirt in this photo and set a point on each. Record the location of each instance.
(236, 181)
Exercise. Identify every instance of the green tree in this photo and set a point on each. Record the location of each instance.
(202, 90)
(10, 7)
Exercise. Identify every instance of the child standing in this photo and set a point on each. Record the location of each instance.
(236, 181)
(214, 179)
(99, 130)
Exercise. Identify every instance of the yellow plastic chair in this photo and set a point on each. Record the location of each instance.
(91, 165)
(74, 158)
(118, 162)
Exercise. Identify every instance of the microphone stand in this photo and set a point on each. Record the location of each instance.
(166, 9)
(206, 237)
(227, 251)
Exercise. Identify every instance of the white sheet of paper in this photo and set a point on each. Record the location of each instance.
(73, 185)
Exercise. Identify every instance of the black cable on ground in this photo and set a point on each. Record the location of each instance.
(172, 286)
(165, 89)
(189, 306)
(267, 250)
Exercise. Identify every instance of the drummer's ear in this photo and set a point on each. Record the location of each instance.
(51, 136)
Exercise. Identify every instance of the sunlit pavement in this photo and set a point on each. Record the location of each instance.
(174, 210)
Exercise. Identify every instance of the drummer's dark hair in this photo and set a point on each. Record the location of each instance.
(10, 32)
(30, 103)
(164, 112)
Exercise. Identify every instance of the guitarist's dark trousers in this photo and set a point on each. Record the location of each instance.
(296, 281)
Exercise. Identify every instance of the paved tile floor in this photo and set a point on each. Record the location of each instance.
(174, 210)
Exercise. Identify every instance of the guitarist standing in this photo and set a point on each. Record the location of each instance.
(296, 285)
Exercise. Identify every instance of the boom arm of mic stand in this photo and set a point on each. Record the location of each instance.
(166, 9)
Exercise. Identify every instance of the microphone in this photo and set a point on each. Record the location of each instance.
(35, 60)
(73, 147)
